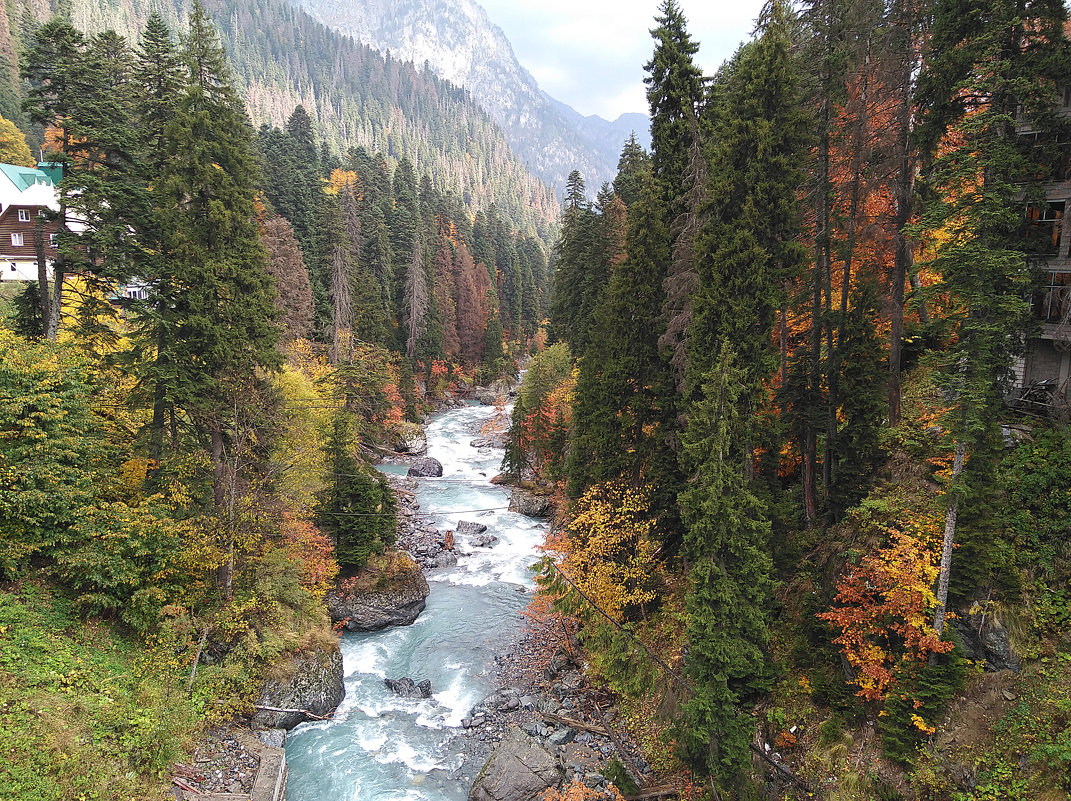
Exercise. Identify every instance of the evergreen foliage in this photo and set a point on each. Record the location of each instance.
(357, 509)
(727, 543)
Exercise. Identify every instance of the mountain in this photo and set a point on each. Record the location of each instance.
(458, 41)
(281, 57)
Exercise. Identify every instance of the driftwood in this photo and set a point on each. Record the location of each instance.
(183, 785)
(188, 773)
(654, 792)
(290, 711)
(574, 724)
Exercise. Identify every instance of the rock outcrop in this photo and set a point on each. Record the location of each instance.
(410, 438)
(425, 467)
(528, 503)
(519, 768)
(315, 686)
(391, 600)
(987, 640)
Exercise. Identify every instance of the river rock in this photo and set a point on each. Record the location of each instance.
(410, 438)
(487, 397)
(314, 685)
(519, 768)
(484, 540)
(398, 603)
(426, 467)
(528, 503)
(407, 688)
(467, 528)
(497, 440)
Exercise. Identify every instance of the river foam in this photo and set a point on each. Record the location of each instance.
(380, 747)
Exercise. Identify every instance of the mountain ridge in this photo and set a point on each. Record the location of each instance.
(460, 43)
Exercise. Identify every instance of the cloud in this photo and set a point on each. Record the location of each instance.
(590, 53)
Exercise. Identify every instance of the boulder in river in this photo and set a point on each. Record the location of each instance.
(528, 503)
(425, 467)
(314, 685)
(466, 528)
(407, 688)
(391, 594)
(519, 768)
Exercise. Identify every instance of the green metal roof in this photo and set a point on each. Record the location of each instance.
(25, 177)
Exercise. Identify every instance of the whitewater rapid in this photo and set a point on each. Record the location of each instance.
(378, 746)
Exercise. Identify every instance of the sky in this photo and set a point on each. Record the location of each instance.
(590, 53)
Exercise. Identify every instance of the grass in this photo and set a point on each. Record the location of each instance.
(86, 713)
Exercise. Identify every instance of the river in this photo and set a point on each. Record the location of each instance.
(379, 747)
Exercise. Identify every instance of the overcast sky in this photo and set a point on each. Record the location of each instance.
(590, 53)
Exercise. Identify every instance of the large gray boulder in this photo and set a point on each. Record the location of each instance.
(519, 769)
(466, 528)
(426, 467)
(394, 600)
(314, 685)
(528, 503)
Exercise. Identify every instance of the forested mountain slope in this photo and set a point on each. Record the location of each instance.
(462, 45)
(282, 57)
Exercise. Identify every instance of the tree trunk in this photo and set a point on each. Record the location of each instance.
(904, 189)
(42, 276)
(949, 542)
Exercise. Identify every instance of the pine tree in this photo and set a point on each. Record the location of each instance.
(727, 544)
(579, 274)
(631, 166)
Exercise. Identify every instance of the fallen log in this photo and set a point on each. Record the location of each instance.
(574, 724)
(290, 712)
(654, 792)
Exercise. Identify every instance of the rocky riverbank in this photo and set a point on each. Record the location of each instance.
(545, 695)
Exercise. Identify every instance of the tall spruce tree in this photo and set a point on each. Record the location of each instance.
(727, 543)
(218, 322)
(674, 93)
(624, 401)
(750, 248)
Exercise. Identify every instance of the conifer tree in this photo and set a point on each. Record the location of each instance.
(727, 543)
(293, 303)
(624, 395)
(750, 247)
(674, 93)
(219, 319)
(357, 509)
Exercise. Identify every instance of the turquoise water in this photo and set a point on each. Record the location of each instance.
(380, 746)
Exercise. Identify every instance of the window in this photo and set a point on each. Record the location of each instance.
(16, 239)
(24, 215)
(52, 240)
(1043, 228)
(1054, 302)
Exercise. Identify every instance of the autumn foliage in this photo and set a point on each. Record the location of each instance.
(884, 613)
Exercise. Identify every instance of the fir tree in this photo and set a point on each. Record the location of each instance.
(750, 247)
(990, 67)
(727, 544)
(218, 319)
(624, 395)
(674, 93)
(357, 509)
